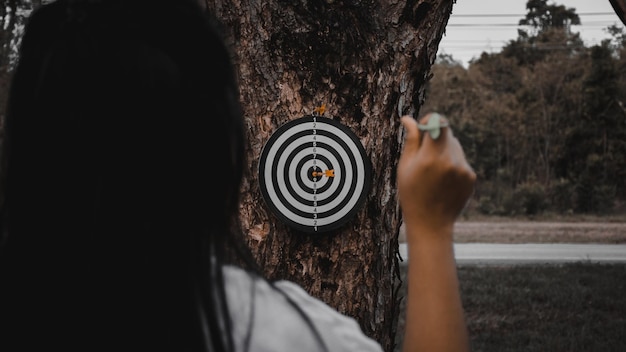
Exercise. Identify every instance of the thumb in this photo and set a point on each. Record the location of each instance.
(412, 136)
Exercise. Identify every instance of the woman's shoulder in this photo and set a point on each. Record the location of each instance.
(280, 315)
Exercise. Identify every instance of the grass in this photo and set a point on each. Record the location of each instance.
(565, 307)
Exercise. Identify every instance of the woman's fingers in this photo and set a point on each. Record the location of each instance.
(412, 136)
(439, 143)
(437, 165)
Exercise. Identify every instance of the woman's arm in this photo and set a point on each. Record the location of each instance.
(434, 183)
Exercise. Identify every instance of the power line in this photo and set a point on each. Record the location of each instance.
(524, 15)
(483, 25)
(592, 24)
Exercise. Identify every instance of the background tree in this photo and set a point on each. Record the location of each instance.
(547, 27)
(546, 127)
(542, 16)
(597, 140)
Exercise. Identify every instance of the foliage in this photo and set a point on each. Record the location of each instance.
(543, 122)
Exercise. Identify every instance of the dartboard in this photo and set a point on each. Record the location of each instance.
(314, 174)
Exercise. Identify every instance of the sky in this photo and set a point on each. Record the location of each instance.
(477, 26)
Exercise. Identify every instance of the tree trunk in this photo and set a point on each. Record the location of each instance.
(8, 11)
(367, 62)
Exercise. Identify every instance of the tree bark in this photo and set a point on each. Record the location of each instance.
(368, 62)
(8, 11)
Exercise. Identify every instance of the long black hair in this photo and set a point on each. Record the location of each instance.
(121, 168)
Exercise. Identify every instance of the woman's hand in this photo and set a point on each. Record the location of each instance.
(434, 178)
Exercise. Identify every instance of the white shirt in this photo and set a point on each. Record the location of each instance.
(260, 311)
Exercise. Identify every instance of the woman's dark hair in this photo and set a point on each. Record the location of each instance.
(121, 167)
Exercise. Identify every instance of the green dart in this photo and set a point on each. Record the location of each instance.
(433, 126)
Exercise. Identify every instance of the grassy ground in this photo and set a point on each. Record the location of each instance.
(561, 307)
(545, 229)
(570, 307)
(516, 231)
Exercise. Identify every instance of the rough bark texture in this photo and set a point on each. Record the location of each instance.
(368, 62)
(8, 10)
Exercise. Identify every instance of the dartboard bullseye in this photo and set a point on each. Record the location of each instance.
(314, 174)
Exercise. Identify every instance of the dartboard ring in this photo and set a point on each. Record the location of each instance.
(314, 174)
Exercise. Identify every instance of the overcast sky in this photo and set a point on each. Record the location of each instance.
(487, 25)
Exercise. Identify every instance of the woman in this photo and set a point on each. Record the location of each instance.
(122, 166)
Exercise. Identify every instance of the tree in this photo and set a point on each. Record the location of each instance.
(619, 6)
(368, 62)
(13, 13)
(596, 140)
(8, 11)
(549, 29)
(542, 16)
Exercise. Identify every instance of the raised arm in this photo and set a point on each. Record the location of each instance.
(434, 184)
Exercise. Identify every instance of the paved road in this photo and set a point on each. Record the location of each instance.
(491, 253)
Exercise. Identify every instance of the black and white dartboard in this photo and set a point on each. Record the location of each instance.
(314, 174)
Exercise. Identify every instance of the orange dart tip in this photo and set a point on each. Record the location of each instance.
(327, 173)
(320, 110)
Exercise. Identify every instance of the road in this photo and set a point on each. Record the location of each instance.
(533, 253)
